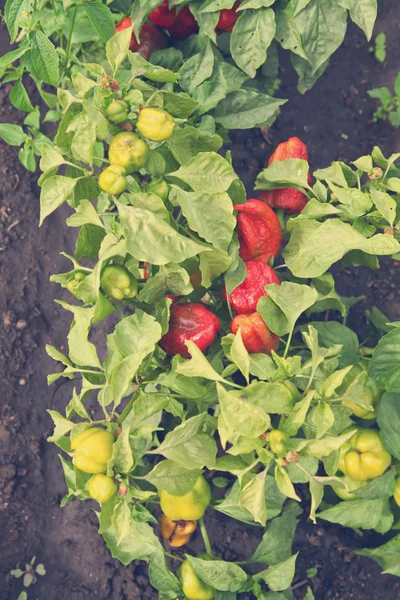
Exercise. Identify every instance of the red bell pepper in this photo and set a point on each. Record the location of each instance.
(192, 322)
(151, 38)
(289, 199)
(245, 296)
(255, 334)
(228, 18)
(259, 231)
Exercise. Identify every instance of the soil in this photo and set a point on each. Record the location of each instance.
(334, 119)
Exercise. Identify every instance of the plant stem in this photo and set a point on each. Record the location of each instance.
(173, 556)
(205, 537)
(288, 343)
(71, 30)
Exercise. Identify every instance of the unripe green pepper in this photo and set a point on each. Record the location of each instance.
(396, 494)
(160, 188)
(155, 124)
(193, 587)
(92, 449)
(112, 180)
(190, 506)
(102, 488)
(117, 111)
(128, 150)
(72, 284)
(278, 442)
(118, 283)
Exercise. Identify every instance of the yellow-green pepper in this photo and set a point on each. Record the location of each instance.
(189, 507)
(155, 124)
(193, 587)
(128, 150)
(117, 111)
(112, 180)
(278, 442)
(92, 449)
(102, 488)
(118, 283)
(364, 456)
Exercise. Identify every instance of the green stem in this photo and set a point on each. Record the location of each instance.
(205, 537)
(288, 343)
(126, 410)
(71, 30)
(173, 556)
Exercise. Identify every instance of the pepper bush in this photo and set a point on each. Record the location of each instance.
(188, 392)
(218, 384)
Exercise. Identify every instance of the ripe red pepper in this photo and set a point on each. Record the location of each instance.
(290, 199)
(228, 18)
(255, 334)
(151, 38)
(245, 296)
(192, 322)
(259, 231)
(163, 16)
(185, 24)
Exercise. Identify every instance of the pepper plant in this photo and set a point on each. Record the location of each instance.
(212, 363)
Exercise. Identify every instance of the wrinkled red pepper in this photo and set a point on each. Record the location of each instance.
(259, 231)
(189, 322)
(163, 16)
(255, 334)
(245, 296)
(151, 38)
(185, 24)
(290, 199)
(228, 18)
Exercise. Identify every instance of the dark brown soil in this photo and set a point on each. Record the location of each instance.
(31, 523)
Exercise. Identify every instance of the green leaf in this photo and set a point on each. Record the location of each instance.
(319, 38)
(20, 99)
(292, 171)
(363, 13)
(279, 577)
(140, 67)
(284, 483)
(314, 247)
(287, 31)
(385, 366)
(252, 497)
(12, 134)
(84, 140)
(276, 544)
(13, 16)
(209, 93)
(89, 241)
(186, 143)
(55, 191)
(62, 426)
(240, 356)
(170, 278)
(239, 417)
(388, 415)
(81, 351)
(150, 239)
(173, 478)
(117, 48)
(212, 265)
(7, 59)
(188, 446)
(101, 18)
(297, 416)
(51, 158)
(211, 215)
(385, 204)
(381, 487)
(360, 514)
(196, 69)
(198, 365)
(284, 305)
(219, 574)
(243, 109)
(251, 37)
(43, 59)
(207, 172)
